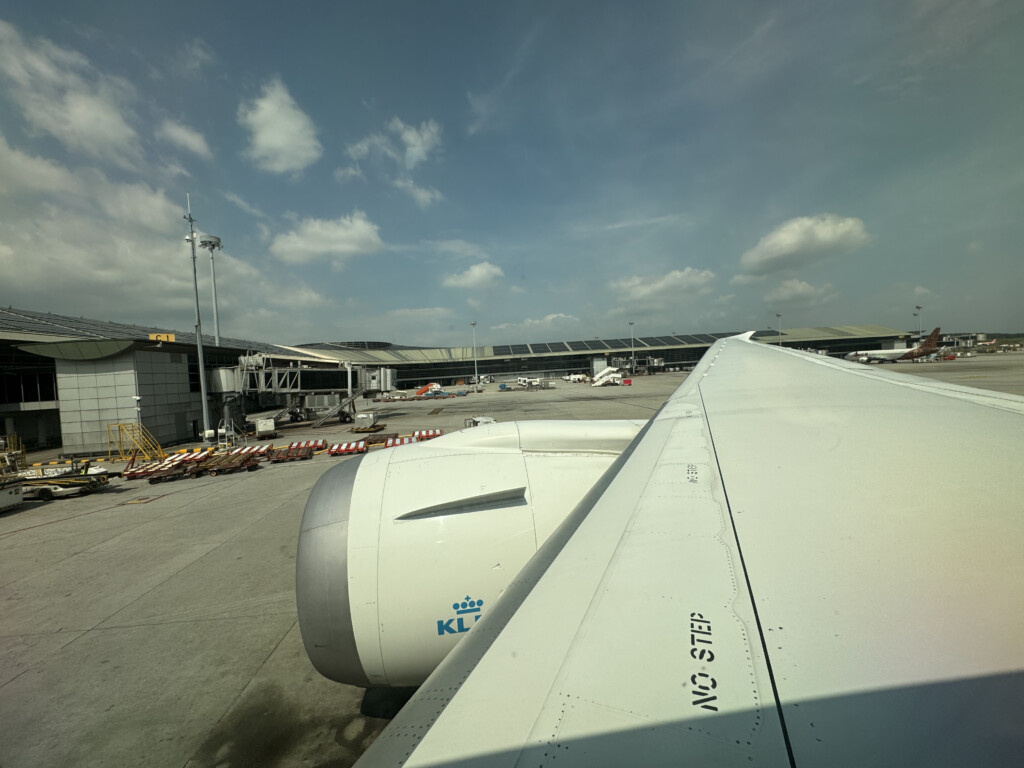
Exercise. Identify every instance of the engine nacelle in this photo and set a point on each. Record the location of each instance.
(401, 551)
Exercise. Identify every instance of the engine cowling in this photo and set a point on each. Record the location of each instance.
(401, 551)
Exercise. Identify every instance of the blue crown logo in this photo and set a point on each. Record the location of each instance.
(468, 606)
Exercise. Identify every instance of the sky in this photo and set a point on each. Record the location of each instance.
(395, 171)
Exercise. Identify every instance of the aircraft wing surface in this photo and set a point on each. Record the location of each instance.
(799, 561)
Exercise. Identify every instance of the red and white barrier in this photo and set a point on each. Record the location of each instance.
(393, 441)
(342, 449)
(427, 434)
(316, 445)
(255, 450)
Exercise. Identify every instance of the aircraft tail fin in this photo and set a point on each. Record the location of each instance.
(931, 343)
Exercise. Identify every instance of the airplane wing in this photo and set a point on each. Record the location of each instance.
(798, 561)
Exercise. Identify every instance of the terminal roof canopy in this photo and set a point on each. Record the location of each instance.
(78, 338)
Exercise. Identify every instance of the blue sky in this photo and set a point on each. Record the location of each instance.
(394, 171)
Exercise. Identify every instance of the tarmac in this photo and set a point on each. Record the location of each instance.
(155, 625)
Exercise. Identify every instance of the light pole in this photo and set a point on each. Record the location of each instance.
(918, 316)
(632, 357)
(212, 243)
(779, 316)
(476, 373)
(199, 327)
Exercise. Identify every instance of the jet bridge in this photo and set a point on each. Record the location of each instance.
(310, 386)
(315, 389)
(261, 373)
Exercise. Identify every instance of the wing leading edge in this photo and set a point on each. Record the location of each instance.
(759, 578)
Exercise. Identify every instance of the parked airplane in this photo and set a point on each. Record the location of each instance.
(710, 599)
(928, 347)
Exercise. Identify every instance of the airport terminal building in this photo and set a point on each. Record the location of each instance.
(67, 381)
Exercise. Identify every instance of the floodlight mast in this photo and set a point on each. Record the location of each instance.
(476, 372)
(212, 243)
(199, 327)
(632, 354)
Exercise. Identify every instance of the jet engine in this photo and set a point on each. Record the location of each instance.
(402, 550)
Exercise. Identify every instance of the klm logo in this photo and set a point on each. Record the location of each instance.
(461, 621)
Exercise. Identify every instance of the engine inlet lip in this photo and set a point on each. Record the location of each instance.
(321, 577)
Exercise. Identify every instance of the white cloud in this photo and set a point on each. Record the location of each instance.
(676, 282)
(184, 137)
(742, 279)
(407, 147)
(252, 210)
(642, 222)
(20, 172)
(135, 205)
(458, 248)
(173, 170)
(418, 143)
(424, 196)
(479, 275)
(420, 314)
(192, 57)
(88, 191)
(418, 325)
(920, 291)
(341, 175)
(797, 291)
(282, 137)
(75, 246)
(802, 241)
(338, 239)
(543, 323)
(60, 93)
(485, 107)
(374, 144)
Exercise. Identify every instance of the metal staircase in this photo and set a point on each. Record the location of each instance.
(131, 437)
(334, 410)
(608, 374)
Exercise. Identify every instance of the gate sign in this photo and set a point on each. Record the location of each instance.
(161, 337)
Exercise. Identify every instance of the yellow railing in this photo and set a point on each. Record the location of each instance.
(126, 439)
(15, 450)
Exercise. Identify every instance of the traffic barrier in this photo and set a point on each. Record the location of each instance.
(427, 434)
(394, 441)
(342, 449)
(316, 445)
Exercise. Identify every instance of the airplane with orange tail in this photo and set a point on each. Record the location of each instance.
(927, 347)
